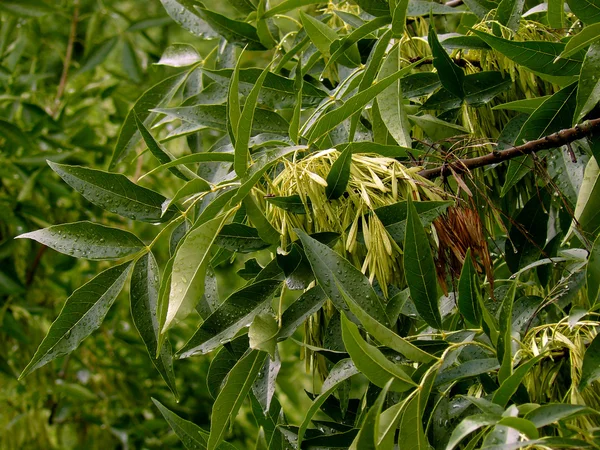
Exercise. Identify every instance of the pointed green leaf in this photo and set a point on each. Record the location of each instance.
(179, 55)
(263, 333)
(144, 293)
(587, 36)
(306, 305)
(189, 269)
(339, 174)
(588, 90)
(114, 192)
(235, 313)
(192, 436)
(342, 371)
(336, 274)
(469, 425)
(82, 313)
(592, 273)
(588, 11)
(184, 13)
(468, 291)
(510, 385)
(234, 31)
(367, 436)
(160, 152)
(155, 97)
(244, 127)
(87, 240)
(371, 362)
(553, 412)
(234, 391)
(266, 231)
(419, 269)
(236, 237)
(451, 76)
(509, 13)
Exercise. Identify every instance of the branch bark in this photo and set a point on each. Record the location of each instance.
(557, 139)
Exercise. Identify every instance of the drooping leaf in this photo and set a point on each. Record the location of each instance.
(336, 274)
(468, 291)
(538, 56)
(82, 313)
(295, 315)
(234, 391)
(98, 54)
(371, 362)
(189, 269)
(234, 31)
(184, 13)
(451, 76)
(235, 313)
(114, 192)
(592, 273)
(87, 240)
(510, 385)
(342, 371)
(179, 55)
(264, 385)
(367, 436)
(155, 97)
(263, 333)
(144, 293)
(509, 13)
(240, 238)
(192, 436)
(587, 36)
(339, 174)
(588, 89)
(419, 269)
(553, 412)
(468, 426)
(266, 231)
(192, 187)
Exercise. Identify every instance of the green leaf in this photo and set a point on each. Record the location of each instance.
(371, 362)
(332, 119)
(588, 89)
(161, 153)
(399, 17)
(236, 237)
(419, 8)
(12, 133)
(244, 128)
(467, 369)
(235, 313)
(419, 269)
(538, 56)
(306, 305)
(523, 426)
(339, 373)
(215, 117)
(367, 436)
(235, 32)
(263, 333)
(451, 76)
(556, 13)
(526, 106)
(234, 391)
(223, 362)
(412, 435)
(233, 101)
(590, 370)
(114, 192)
(588, 11)
(179, 55)
(393, 216)
(87, 240)
(98, 54)
(468, 426)
(243, 6)
(553, 412)
(204, 157)
(587, 36)
(192, 436)
(592, 273)
(184, 13)
(554, 114)
(131, 64)
(469, 291)
(189, 269)
(387, 337)
(144, 293)
(528, 233)
(437, 129)
(192, 187)
(339, 174)
(510, 385)
(375, 7)
(289, 5)
(266, 231)
(390, 101)
(291, 203)
(341, 281)
(158, 95)
(509, 13)
(82, 313)
(26, 8)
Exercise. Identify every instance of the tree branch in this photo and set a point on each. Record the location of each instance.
(68, 56)
(557, 139)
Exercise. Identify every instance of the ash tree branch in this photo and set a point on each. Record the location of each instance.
(554, 140)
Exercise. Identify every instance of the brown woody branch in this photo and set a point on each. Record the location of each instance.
(557, 139)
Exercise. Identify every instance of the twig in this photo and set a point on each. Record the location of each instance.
(35, 265)
(69, 55)
(557, 139)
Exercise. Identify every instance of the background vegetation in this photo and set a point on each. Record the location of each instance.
(350, 224)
